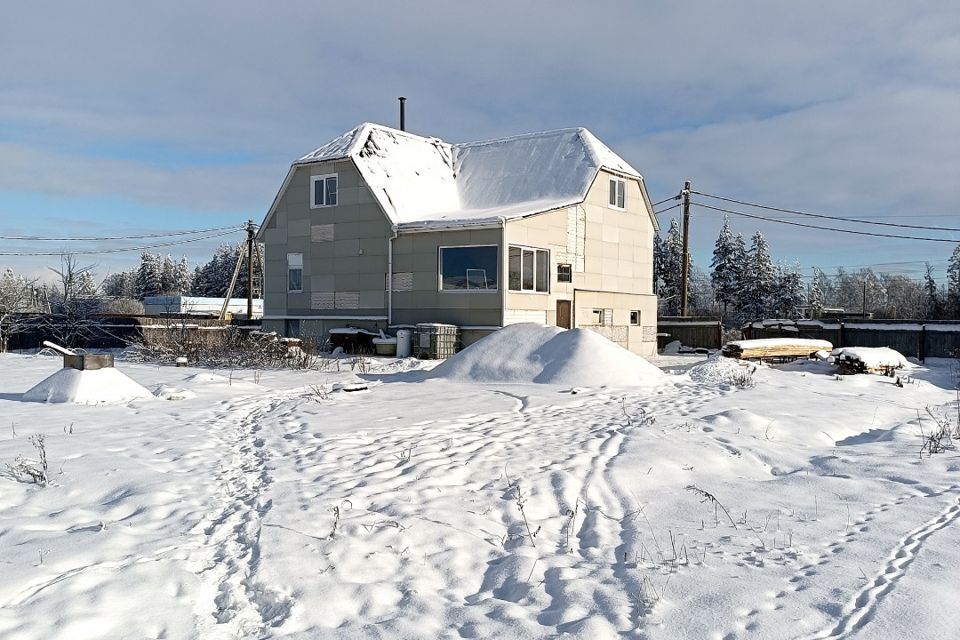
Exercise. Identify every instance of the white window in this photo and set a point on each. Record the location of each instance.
(635, 318)
(529, 269)
(323, 191)
(294, 272)
(469, 268)
(618, 190)
(596, 316)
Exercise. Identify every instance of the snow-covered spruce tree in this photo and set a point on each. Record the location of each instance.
(149, 276)
(725, 273)
(953, 284)
(670, 266)
(760, 281)
(182, 277)
(788, 293)
(816, 292)
(167, 267)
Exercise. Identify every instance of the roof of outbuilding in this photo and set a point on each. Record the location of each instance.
(423, 182)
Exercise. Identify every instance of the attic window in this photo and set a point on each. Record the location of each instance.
(323, 191)
(618, 190)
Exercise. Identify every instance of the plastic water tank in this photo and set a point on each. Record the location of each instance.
(404, 343)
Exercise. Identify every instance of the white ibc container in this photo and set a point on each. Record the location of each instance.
(404, 343)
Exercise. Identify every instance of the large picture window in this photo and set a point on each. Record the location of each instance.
(472, 268)
(529, 269)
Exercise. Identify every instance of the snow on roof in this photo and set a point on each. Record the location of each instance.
(424, 182)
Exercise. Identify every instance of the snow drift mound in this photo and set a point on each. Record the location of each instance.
(524, 353)
(97, 386)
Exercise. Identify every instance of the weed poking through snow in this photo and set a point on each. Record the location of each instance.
(34, 471)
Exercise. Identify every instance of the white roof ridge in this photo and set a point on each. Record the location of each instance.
(520, 136)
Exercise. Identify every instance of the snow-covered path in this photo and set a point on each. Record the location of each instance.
(279, 510)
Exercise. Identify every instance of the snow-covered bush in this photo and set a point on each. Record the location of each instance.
(719, 369)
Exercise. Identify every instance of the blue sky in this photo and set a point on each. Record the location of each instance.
(124, 118)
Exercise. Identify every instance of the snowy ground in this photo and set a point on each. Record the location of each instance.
(259, 505)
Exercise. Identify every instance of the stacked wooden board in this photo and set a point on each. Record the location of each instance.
(772, 348)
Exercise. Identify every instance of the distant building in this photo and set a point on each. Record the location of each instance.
(166, 305)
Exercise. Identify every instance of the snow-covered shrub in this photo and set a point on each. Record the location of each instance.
(719, 369)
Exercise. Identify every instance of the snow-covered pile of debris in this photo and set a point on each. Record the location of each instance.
(524, 353)
(97, 386)
(871, 357)
(722, 370)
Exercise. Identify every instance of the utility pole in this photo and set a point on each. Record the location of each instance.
(685, 270)
(251, 230)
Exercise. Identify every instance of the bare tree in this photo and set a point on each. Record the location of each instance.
(17, 296)
(74, 303)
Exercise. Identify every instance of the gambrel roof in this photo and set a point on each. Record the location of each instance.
(425, 182)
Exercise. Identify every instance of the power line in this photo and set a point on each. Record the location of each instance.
(657, 204)
(99, 238)
(104, 251)
(811, 226)
(825, 217)
(656, 213)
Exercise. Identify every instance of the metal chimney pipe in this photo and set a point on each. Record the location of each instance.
(403, 113)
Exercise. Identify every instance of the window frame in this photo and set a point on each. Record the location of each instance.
(617, 196)
(639, 317)
(440, 249)
(536, 251)
(291, 267)
(569, 275)
(313, 191)
(594, 313)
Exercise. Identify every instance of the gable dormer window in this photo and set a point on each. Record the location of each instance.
(323, 191)
(618, 189)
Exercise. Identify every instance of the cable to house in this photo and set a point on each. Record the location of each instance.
(137, 237)
(92, 252)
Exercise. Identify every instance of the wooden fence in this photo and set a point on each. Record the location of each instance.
(704, 333)
(917, 339)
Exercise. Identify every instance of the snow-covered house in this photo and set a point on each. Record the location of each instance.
(380, 228)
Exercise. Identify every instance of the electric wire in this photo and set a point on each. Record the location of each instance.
(657, 204)
(91, 252)
(824, 216)
(137, 237)
(656, 213)
(873, 234)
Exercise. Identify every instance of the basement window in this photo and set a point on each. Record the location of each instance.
(529, 269)
(469, 268)
(323, 191)
(618, 190)
(294, 272)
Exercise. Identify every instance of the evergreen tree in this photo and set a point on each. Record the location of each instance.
(86, 286)
(670, 266)
(934, 302)
(788, 292)
(725, 272)
(149, 276)
(953, 284)
(817, 292)
(760, 282)
(182, 278)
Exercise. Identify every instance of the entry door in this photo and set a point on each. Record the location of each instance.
(563, 314)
